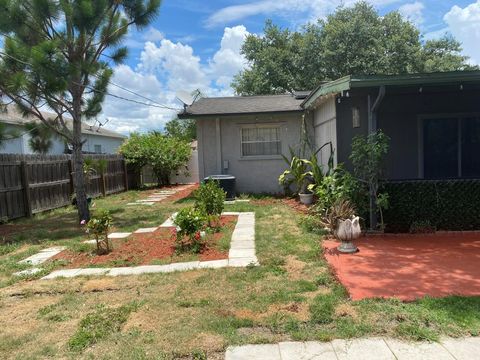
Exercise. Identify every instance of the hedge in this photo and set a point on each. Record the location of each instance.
(447, 204)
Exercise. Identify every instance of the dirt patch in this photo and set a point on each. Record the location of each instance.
(294, 267)
(297, 310)
(264, 202)
(346, 310)
(145, 248)
(296, 205)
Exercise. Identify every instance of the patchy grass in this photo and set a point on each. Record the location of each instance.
(194, 314)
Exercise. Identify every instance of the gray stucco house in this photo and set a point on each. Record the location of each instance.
(433, 121)
(98, 140)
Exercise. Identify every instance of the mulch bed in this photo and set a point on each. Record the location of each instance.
(296, 205)
(145, 248)
(410, 266)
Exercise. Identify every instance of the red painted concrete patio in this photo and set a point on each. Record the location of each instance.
(409, 267)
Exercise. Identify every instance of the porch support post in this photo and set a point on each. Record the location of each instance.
(218, 141)
(372, 128)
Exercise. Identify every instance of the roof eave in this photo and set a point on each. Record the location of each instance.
(336, 86)
(193, 116)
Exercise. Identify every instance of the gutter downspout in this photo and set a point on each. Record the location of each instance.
(372, 128)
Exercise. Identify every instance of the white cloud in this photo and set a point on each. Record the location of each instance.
(291, 9)
(413, 12)
(166, 68)
(464, 24)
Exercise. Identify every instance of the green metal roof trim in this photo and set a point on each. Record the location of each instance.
(350, 82)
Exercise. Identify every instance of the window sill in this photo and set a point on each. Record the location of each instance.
(261, 157)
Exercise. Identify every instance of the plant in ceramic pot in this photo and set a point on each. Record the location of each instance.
(340, 219)
(298, 175)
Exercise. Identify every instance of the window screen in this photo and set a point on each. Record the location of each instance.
(440, 143)
(261, 141)
(98, 148)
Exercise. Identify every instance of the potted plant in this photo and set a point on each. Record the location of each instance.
(340, 219)
(299, 175)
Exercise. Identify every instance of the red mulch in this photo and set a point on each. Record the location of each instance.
(409, 267)
(295, 204)
(142, 249)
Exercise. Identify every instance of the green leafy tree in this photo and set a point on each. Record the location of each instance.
(165, 154)
(56, 54)
(353, 40)
(41, 137)
(181, 129)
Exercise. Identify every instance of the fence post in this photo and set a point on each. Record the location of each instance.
(26, 188)
(102, 182)
(125, 174)
(70, 171)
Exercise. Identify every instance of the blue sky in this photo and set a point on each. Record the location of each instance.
(196, 44)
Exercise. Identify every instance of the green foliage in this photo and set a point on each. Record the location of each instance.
(297, 174)
(98, 226)
(55, 57)
(190, 222)
(181, 129)
(165, 154)
(210, 200)
(100, 324)
(368, 156)
(421, 227)
(41, 137)
(445, 204)
(353, 40)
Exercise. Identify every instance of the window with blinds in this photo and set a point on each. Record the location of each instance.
(261, 141)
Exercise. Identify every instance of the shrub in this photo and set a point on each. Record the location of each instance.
(446, 204)
(190, 222)
(422, 227)
(210, 200)
(99, 226)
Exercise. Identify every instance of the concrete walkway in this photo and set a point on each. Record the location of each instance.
(242, 253)
(360, 349)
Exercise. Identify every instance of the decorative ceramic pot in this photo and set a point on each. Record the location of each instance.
(306, 199)
(347, 231)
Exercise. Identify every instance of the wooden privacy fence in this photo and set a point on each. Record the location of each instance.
(30, 184)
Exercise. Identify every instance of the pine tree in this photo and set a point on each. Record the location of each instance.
(57, 56)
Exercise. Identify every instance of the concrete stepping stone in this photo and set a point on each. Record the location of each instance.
(241, 253)
(67, 273)
(93, 241)
(28, 272)
(119, 235)
(142, 203)
(425, 351)
(169, 221)
(145, 230)
(42, 256)
(243, 262)
(253, 352)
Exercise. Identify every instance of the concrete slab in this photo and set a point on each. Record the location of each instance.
(241, 253)
(92, 272)
(253, 352)
(242, 262)
(42, 256)
(422, 351)
(142, 203)
(138, 270)
(463, 349)
(145, 230)
(315, 350)
(119, 235)
(184, 266)
(213, 264)
(93, 241)
(169, 221)
(362, 349)
(68, 273)
(28, 272)
(242, 244)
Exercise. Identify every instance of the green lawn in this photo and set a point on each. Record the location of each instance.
(291, 296)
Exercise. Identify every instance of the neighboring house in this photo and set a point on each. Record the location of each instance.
(98, 140)
(433, 121)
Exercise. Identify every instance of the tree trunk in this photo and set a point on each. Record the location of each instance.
(80, 185)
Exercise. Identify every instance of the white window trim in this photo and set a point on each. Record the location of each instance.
(261, 157)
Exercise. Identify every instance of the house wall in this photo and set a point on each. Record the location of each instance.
(325, 130)
(219, 149)
(398, 116)
(20, 145)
